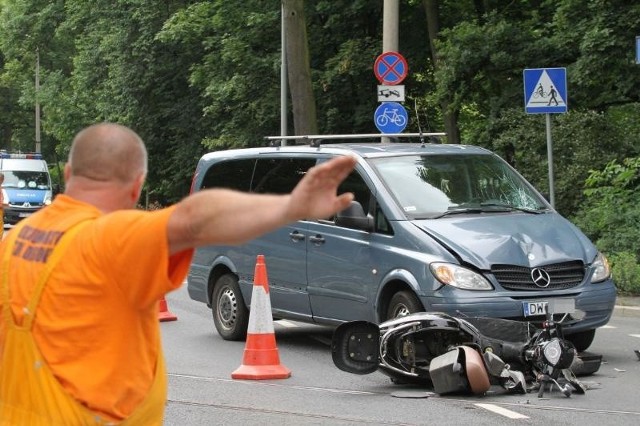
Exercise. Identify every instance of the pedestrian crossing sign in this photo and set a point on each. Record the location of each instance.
(545, 90)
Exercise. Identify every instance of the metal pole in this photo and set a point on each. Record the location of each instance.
(38, 145)
(391, 19)
(550, 161)
(283, 78)
(390, 24)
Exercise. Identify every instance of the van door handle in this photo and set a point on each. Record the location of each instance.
(317, 239)
(296, 236)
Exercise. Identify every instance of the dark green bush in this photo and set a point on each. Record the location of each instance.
(626, 273)
(610, 216)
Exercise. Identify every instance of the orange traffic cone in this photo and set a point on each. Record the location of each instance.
(261, 359)
(164, 314)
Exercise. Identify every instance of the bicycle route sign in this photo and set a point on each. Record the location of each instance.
(391, 117)
(390, 68)
(545, 90)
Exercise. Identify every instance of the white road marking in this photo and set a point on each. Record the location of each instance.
(259, 383)
(635, 335)
(287, 324)
(608, 326)
(502, 411)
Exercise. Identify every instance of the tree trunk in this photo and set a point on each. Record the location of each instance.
(433, 26)
(298, 69)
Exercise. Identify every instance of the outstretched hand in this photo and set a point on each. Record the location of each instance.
(315, 196)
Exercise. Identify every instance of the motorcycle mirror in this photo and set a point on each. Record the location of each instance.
(354, 347)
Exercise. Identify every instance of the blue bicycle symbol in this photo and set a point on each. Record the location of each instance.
(390, 115)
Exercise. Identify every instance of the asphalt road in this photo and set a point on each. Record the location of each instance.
(202, 392)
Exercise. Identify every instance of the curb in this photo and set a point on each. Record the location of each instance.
(626, 311)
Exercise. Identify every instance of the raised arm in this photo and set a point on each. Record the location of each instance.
(220, 216)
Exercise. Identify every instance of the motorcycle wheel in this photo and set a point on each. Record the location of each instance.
(581, 340)
(403, 303)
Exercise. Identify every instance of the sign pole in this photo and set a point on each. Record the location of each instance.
(283, 76)
(545, 92)
(390, 24)
(38, 142)
(552, 198)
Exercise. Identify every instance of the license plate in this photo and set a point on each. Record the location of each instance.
(24, 214)
(532, 309)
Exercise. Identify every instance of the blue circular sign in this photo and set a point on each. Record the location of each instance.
(390, 68)
(391, 117)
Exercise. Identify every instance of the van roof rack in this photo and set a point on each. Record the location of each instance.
(316, 140)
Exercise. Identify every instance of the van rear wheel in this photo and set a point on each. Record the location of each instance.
(403, 303)
(230, 313)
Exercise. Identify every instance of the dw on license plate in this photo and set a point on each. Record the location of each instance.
(24, 214)
(534, 308)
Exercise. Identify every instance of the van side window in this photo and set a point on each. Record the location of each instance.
(279, 175)
(355, 184)
(382, 225)
(231, 174)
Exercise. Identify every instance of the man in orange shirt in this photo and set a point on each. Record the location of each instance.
(80, 339)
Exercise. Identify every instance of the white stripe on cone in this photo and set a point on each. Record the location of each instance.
(260, 319)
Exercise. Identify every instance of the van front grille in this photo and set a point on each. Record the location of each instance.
(558, 275)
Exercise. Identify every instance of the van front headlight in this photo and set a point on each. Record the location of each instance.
(47, 198)
(459, 276)
(5, 198)
(601, 269)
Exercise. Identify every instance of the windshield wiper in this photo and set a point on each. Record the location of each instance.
(485, 208)
(459, 210)
(509, 207)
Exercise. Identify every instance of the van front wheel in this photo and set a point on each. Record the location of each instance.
(230, 314)
(581, 340)
(403, 303)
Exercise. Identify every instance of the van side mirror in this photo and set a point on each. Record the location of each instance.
(354, 217)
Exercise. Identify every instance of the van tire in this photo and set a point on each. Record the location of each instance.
(582, 340)
(403, 303)
(230, 313)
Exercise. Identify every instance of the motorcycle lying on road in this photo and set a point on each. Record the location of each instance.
(468, 355)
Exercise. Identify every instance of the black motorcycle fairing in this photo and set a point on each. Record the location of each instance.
(405, 348)
(354, 347)
(410, 343)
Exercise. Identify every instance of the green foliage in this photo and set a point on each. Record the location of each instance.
(610, 216)
(626, 272)
(237, 73)
(581, 141)
(597, 37)
(27, 26)
(191, 76)
(116, 70)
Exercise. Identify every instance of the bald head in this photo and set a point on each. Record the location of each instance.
(108, 152)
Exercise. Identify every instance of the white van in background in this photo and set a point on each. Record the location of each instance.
(26, 187)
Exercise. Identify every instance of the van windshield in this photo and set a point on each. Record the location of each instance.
(432, 186)
(26, 179)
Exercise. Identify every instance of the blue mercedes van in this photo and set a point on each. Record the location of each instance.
(434, 227)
